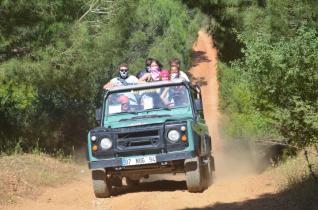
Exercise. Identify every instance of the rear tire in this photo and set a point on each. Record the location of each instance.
(208, 169)
(194, 175)
(132, 182)
(101, 185)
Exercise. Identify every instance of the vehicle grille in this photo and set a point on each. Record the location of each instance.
(138, 139)
(138, 134)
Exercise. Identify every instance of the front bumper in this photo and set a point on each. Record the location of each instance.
(117, 162)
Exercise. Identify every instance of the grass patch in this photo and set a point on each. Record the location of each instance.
(296, 181)
(23, 175)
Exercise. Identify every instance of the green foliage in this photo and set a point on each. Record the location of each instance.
(242, 121)
(27, 25)
(284, 78)
(56, 55)
(275, 77)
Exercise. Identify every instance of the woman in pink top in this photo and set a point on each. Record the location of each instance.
(154, 72)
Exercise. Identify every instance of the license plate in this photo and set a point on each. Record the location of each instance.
(138, 160)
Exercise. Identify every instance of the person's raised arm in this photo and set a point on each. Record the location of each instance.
(108, 85)
(145, 78)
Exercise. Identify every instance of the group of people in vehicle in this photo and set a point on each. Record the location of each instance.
(152, 72)
(137, 100)
(165, 97)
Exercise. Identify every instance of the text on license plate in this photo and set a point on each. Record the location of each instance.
(139, 160)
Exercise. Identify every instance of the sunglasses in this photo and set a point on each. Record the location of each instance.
(124, 70)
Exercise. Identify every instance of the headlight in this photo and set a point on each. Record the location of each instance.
(173, 135)
(106, 143)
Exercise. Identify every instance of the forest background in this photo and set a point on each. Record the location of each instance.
(56, 55)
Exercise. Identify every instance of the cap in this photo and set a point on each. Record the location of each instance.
(164, 74)
(123, 99)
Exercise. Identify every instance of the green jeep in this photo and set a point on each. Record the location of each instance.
(150, 128)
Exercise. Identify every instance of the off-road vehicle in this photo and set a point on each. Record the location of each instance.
(150, 128)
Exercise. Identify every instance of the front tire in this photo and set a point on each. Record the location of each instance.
(101, 185)
(193, 172)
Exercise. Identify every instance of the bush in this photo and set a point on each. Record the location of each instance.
(242, 121)
(284, 77)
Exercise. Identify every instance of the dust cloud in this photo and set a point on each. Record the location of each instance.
(234, 160)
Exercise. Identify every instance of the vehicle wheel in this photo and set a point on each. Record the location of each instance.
(115, 181)
(208, 169)
(101, 185)
(206, 180)
(194, 175)
(132, 182)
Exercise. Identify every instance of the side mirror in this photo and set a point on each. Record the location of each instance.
(198, 105)
(98, 115)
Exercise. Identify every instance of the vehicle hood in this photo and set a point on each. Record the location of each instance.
(146, 121)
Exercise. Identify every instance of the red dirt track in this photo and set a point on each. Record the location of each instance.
(204, 73)
(235, 186)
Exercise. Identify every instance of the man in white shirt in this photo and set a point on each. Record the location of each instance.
(123, 78)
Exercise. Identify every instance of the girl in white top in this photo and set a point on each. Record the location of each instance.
(175, 72)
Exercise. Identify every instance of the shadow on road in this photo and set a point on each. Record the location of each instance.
(298, 197)
(198, 80)
(162, 185)
(199, 57)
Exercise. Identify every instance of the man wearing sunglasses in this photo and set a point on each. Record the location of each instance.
(123, 78)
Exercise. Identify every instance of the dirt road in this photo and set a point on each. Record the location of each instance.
(235, 187)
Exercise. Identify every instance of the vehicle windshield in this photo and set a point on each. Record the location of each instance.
(147, 99)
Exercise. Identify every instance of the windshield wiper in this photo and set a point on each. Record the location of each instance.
(163, 108)
(156, 109)
(127, 112)
(146, 116)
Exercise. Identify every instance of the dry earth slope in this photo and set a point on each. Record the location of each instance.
(231, 190)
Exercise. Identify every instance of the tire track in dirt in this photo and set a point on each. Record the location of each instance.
(231, 190)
